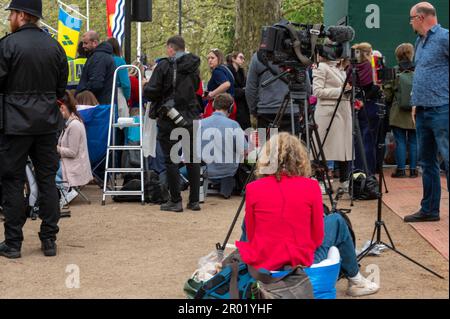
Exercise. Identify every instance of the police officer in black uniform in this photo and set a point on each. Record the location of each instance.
(33, 76)
(161, 91)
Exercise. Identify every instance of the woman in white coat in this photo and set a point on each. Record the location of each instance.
(328, 80)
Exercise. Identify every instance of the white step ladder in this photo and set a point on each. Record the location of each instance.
(110, 170)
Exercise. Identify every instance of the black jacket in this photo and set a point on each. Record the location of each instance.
(240, 81)
(98, 73)
(33, 75)
(160, 86)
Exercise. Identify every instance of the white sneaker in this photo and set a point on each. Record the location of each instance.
(360, 286)
(67, 198)
(70, 196)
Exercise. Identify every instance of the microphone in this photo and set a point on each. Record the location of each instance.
(340, 34)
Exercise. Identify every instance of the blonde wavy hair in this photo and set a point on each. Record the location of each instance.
(366, 51)
(283, 154)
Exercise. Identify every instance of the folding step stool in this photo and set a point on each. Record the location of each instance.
(110, 170)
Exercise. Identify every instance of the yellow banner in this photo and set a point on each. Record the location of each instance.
(68, 33)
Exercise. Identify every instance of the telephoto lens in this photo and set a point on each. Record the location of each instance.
(176, 117)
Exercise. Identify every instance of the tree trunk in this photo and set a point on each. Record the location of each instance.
(251, 16)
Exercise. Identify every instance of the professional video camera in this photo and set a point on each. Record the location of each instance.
(292, 44)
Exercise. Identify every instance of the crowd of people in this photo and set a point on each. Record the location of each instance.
(281, 228)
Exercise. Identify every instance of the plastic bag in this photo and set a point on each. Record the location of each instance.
(122, 104)
(150, 131)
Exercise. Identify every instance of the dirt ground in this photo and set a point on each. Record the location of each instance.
(131, 251)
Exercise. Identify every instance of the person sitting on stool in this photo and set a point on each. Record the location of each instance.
(284, 217)
(232, 144)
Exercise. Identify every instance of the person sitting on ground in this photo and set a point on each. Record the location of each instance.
(222, 167)
(75, 168)
(85, 99)
(283, 228)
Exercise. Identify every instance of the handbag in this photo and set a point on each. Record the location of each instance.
(291, 284)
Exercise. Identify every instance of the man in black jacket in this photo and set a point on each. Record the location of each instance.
(33, 75)
(159, 90)
(98, 72)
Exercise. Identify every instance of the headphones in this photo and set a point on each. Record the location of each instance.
(230, 108)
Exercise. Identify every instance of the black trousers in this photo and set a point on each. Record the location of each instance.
(172, 168)
(14, 152)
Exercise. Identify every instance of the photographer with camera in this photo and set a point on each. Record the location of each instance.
(172, 89)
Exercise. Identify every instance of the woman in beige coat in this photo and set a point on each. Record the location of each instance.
(328, 80)
(72, 145)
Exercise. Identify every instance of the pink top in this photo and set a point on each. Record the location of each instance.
(284, 222)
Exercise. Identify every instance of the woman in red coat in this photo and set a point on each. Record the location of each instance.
(284, 219)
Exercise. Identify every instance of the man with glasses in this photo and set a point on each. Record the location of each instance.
(430, 101)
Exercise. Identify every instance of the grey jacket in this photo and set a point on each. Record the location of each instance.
(269, 99)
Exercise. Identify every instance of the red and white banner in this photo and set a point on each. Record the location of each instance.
(115, 11)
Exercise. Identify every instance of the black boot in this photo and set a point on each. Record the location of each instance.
(9, 252)
(194, 206)
(48, 247)
(172, 207)
(413, 173)
(399, 173)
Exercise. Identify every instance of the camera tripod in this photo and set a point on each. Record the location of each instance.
(296, 95)
(379, 224)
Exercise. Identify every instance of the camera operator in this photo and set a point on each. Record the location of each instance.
(264, 102)
(328, 80)
(33, 75)
(368, 115)
(170, 102)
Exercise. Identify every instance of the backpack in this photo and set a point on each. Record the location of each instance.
(403, 89)
(364, 187)
(153, 192)
(221, 286)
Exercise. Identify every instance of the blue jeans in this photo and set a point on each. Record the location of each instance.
(337, 235)
(404, 138)
(432, 135)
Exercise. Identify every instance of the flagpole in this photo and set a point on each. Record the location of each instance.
(180, 13)
(88, 16)
(139, 40)
(71, 8)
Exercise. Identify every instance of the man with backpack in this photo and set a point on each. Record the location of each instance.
(398, 95)
(430, 95)
(172, 89)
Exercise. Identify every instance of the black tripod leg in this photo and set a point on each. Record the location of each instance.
(385, 186)
(372, 245)
(389, 236)
(413, 261)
